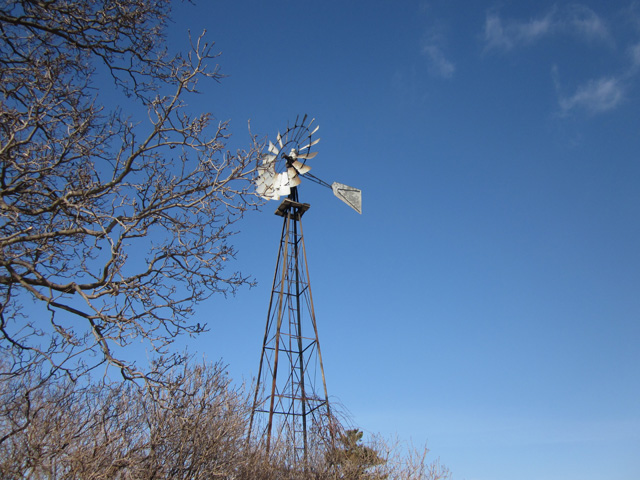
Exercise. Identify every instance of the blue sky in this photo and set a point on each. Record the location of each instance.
(487, 300)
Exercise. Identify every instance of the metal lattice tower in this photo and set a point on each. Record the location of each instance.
(291, 406)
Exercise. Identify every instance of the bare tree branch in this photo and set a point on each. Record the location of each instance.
(121, 227)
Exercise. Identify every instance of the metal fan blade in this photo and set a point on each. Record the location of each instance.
(283, 191)
(314, 130)
(283, 184)
(273, 149)
(269, 158)
(265, 175)
(294, 178)
(301, 168)
(261, 185)
(311, 144)
(265, 183)
(266, 191)
(307, 156)
(349, 195)
(269, 174)
(279, 138)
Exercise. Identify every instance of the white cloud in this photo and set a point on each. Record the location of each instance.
(494, 34)
(507, 34)
(439, 65)
(531, 31)
(596, 96)
(433, 48)
(585, 22)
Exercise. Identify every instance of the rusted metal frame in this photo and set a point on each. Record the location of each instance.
(266, 335)
(289, 398)
(279, 324)
(322, 404)
(299, 414)
(308, 365)
(297, 239)
(292, 351)
(315, 329)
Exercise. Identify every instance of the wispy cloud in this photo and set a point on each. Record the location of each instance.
(595, 96)
(439, 65)
(507, 34)
(586, 23)
(433, 48)
(502, 35)
(602, 94)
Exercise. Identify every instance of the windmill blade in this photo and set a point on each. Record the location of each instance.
(265, 183)
(273, 149)
(268, 192)
(282, 184)
(311, 144)
(300, 167)
(294, 178)
(314, 130)
(307, 156)
(349, 195)
(279, 138)
(266, 175)
(268, 158)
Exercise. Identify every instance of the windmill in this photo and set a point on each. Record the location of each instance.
(291, 408)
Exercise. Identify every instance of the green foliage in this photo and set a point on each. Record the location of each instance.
(350, 459)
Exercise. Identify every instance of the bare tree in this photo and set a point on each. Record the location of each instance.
(116, 228)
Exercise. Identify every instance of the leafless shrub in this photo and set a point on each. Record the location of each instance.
(350, 458)
(191, 426)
